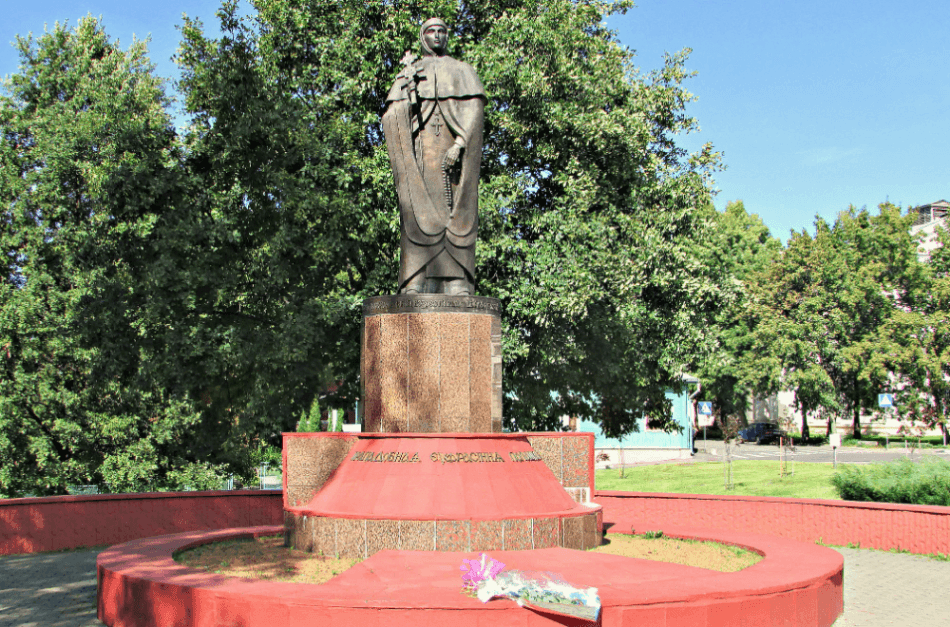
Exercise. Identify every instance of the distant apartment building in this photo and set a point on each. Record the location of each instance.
(929, 217)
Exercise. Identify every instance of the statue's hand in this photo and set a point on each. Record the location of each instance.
(451, 156)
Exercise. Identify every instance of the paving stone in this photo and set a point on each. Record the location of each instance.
(49, 590)
(882, 588)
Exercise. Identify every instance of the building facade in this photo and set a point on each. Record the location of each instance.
(646, 445)
(929, 217)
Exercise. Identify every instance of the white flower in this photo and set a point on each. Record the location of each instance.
(488, 589)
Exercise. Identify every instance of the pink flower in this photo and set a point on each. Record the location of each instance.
(485, 568)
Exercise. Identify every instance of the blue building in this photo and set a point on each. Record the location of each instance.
(647, 445)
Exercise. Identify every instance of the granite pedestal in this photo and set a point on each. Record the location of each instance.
(431, 363)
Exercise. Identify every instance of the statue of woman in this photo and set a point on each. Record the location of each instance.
(433, 125)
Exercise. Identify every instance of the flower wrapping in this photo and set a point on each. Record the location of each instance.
(542, 591)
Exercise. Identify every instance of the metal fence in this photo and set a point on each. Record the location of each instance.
(270, 478)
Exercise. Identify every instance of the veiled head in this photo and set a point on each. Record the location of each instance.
(434, 36)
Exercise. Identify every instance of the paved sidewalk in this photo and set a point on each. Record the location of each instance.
(880, 589)
(49, 590)
(883, 589)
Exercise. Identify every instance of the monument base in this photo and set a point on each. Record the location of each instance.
(440, 492)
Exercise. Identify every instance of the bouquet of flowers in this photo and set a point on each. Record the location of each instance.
(542, 591)
(479, 571)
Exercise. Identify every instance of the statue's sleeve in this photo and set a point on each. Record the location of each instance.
(398, 90)
(464, 116)
(463, 102)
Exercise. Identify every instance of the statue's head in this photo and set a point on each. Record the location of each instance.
(434, 36)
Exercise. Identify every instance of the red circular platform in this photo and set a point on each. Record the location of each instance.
(795, 584)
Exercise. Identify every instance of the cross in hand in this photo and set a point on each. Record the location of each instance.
(408, 58)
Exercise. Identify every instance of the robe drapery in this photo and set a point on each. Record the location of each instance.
(438, 209)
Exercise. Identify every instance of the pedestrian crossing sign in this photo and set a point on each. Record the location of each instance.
(705, 408)
(885, 400)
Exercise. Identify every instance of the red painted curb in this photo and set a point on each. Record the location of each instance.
(795, 584)
(885, 526)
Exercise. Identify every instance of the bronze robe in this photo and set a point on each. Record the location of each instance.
(438, 209)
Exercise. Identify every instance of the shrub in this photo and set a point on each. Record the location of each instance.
(813, 440)
(197, 476)
(264, 453)
(923, 483)
(310, 421)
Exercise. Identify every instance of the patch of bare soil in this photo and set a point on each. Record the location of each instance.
(711, 555)
(267, 558)
(264, 558)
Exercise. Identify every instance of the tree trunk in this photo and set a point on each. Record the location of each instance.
(831, 422)
(856, 425)
(621, 457)
(806, 434)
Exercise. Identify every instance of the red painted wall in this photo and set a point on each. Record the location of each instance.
(915, 528)
(54, 523)
(65, 522)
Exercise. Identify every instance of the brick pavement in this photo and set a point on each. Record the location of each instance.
(883, 589)
(880, 589)
(49, 590)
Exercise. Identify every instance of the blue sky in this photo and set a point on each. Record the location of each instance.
(815, 104)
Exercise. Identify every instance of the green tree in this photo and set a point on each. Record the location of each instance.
(739, 244)
(825, 302)
(780, 337)
(310, 420)
(917, 341)
(85, 140)
(587, 205)
(886, 254)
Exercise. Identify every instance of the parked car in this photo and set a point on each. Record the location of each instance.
(761, 432)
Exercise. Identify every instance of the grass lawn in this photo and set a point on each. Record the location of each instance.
(751, 478)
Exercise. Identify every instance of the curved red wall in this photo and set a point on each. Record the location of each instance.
(32, 525)
(914, 528)
(65, 522)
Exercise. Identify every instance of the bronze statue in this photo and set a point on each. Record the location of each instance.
(433, 125)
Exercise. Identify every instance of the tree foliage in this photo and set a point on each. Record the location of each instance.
(587, 205)
(85, 138)
(172, 301)
(917, 346)
(824, 305)
(742, 246)
(310, 420)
